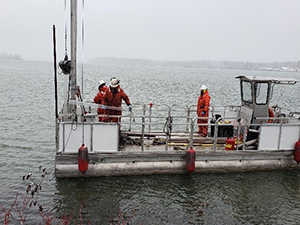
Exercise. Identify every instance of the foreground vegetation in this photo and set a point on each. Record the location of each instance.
(30, 204)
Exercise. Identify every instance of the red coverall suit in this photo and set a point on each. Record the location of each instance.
(99, 99)
(202, 111)
(113, 97)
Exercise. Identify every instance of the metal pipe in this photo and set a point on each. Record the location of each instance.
(216, 133)
(91, 139)
(55, 89)
(279, 135)
(187, 119)
(191, 136)
(143, 133)
(73, 53)
(64, 138)
(238, 134)
(150, 114)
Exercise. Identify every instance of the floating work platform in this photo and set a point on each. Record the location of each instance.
(157, 138)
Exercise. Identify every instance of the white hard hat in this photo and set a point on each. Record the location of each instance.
(114, 82)
(203, 87)
(101, 82)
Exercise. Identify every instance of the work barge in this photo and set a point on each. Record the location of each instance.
(163, 139)
(156, 139)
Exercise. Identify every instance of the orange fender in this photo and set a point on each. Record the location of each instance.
(271, 114)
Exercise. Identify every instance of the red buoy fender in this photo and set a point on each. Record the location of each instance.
(297, 151)
(83, 159)
(191, 158)
(230, 142)
(271, 114)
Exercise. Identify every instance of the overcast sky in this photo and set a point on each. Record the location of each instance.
(234, 30)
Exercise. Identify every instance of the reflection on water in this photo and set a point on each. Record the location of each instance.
(229, 198)
(27, 141)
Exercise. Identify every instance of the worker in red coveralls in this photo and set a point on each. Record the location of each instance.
(113, 100)
(202, 110)
(99, 99)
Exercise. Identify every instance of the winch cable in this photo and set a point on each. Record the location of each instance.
(82, 62)
(82, 46)
(66, 30)
(80, 94)
(66, 44)
(66, 55)
(83, 112)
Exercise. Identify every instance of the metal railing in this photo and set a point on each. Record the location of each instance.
(171, 121)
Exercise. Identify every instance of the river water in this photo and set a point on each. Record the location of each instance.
(27, 141)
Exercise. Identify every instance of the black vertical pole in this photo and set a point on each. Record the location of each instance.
(55, 86)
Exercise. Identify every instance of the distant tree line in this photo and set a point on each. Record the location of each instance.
(10, 56)
(208, 64)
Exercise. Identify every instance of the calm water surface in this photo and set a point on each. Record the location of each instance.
(27, 141)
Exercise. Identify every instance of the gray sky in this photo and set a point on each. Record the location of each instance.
(235, 30)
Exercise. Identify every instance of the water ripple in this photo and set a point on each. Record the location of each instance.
(27, 141)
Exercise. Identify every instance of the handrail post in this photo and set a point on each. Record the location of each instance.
(192, 123)
(168, 133)
(143, 132)
(187, 119)
(279, 135)
(130, 121)
(144, 111)
(216, 134)
(245, 133)
(212, 109)
(238, 134)
(150, 114)
(91, 138)
(167, 137)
